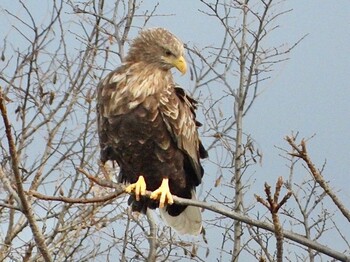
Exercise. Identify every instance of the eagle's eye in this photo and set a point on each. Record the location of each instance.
(168, 53)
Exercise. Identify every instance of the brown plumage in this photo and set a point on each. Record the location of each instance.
(147, 125)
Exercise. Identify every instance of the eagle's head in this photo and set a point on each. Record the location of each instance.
(159, 47)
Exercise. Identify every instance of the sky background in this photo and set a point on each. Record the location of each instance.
(309, 93)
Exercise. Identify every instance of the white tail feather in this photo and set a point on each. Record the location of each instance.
(188, 222)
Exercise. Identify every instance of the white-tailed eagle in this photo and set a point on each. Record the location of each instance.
(146, 123)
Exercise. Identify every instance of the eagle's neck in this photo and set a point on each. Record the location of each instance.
(147, 79)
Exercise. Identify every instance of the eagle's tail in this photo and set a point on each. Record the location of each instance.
(188, 221)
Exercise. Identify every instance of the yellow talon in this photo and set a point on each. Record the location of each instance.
(139, 188)
(163, 193)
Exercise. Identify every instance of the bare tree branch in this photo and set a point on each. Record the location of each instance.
(228, 213)
(303, 154)
(25, 204)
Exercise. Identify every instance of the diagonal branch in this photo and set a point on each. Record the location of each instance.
(25, 204)
(263, 225)
(302, 153)
(220, 209)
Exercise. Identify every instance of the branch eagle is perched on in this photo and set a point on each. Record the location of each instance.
(147, 125)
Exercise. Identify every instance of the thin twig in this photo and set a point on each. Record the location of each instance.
(70, 200)
(8, 187)
(273, 205)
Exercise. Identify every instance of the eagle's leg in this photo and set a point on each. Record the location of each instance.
(163, 194)
(139, 188)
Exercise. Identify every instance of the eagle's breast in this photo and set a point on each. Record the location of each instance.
(126, 90)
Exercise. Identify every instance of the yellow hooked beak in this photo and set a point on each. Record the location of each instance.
(180, 64)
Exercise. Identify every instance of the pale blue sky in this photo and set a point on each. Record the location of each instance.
(308, 93)
(311, 91)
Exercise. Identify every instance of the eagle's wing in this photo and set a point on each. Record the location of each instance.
(178, 111)
(109, 92)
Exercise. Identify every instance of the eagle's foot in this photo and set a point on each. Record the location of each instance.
(139, 188)
(163, 194)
